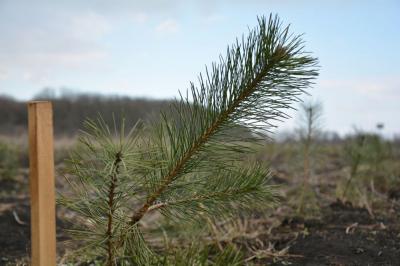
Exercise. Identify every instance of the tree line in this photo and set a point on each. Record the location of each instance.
(70, 111)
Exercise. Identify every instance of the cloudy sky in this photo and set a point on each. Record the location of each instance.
(154, 48)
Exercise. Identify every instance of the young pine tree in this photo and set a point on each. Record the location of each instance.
(311, 113)
(187, 166)
(354, 151)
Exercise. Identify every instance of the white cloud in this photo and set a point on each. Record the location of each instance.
(212, 19)
(36, 77)
(89, 26)
(50, 42)
(382, 87)
(168, 26)
(3, 74)
(140, 18)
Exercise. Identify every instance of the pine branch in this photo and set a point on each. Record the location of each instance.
(268, 70)
(221, 194)
(225, 195)
(102, 188)
(175, 171)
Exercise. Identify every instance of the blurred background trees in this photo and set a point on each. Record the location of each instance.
(70, 110)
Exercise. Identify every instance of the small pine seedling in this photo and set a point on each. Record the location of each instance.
(311, 114)
(187, 166)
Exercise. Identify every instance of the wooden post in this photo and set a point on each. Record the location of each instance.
(42, 192)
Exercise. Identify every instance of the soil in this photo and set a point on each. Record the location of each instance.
(345, 235)
(15, 222)
(342, 235)
(14, 237)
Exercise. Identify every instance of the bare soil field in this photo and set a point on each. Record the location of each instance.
(355, 231)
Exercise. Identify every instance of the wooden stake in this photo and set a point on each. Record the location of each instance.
(41, 174)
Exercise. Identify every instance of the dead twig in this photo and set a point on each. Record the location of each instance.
(16, 217)
(271, 253)
(351, 228)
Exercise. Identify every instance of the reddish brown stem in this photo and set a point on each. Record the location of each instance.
(111, 206)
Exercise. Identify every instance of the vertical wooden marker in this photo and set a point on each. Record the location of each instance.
(42, 192)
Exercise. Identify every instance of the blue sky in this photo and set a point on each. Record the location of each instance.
(154, 48)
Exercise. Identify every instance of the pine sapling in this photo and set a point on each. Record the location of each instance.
(310, 128)
(354, 150)
(188, 166)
